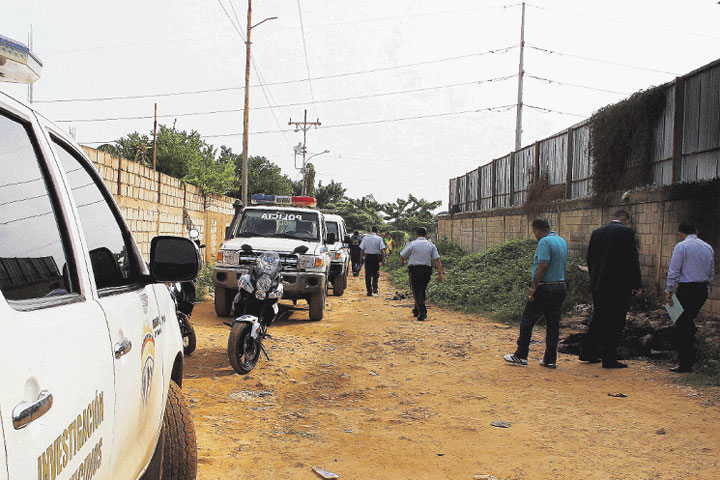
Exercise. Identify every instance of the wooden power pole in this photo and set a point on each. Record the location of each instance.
(521, 74)
(304, 126)
(155, 140)
(246, 111)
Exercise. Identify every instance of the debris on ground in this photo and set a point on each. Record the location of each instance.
(617, 395)
(483, 476)
(661, 431)
(324, 473)
(501, 424)
(245, 395)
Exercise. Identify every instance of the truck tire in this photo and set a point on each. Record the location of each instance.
(180, 453)
(340, 284)
(223, 301)
(317, 305)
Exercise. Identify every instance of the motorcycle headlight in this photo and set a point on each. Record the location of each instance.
(260, 295)
(263, 283)
(244, 283)
(229, 257)
(268, 263)
(278, 292)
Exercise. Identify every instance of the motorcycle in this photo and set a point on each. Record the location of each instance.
(183, 294)
(256, 307)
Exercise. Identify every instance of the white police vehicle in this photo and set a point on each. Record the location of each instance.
(339, 253)
(90, 347)
(289, 226)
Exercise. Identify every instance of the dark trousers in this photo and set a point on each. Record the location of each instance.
(372, 272)
(610, 309)
(548, 303)
(419, 279)
(692, 297)
(357, 263)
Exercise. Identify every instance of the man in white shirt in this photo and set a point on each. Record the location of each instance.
(691, 272)
(420, 254)
(373, 251)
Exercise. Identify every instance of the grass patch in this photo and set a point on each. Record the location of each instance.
(494, 282)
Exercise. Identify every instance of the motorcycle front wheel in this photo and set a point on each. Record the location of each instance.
(243, 350)
(189, 339)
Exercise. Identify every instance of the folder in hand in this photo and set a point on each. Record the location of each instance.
(675, 310)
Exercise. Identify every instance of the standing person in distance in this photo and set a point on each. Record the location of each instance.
(420, 254)
(356, 253)
(690, 276)
(389, 244)
(373, 252)
(614, 269)
(546, 296)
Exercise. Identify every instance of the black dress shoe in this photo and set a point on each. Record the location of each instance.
(590, 359)
(422, 318)
(680, 369)
(369, 294)
(614, 365)
(415, 312)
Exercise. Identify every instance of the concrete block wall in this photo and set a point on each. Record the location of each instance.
(156, 204)
(655, 214)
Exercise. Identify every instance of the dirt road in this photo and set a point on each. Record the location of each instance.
(369, 393)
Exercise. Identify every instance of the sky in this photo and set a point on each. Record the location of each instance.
(409, 92)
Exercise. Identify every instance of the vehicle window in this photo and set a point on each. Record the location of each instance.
(33, 259)
(110, 251)
(332, 227)
(278, 223)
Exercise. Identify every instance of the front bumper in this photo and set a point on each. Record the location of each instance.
(296, 284)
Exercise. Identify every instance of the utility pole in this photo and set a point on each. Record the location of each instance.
(521, 74)
(155, 140)
(304, 126)
(246, 111)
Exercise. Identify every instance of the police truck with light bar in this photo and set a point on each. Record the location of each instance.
(289, 226)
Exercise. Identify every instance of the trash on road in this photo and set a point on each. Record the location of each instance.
(483, 476)
(501, 424)
(374, 374)
(617, 395)
(324, 473)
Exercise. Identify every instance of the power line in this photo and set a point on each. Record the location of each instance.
(269, 106)
(283, 82)
(550, 110)
(558, 82)
(598, 60)
(307, 62)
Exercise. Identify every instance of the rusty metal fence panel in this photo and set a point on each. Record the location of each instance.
(662, 156)
(553, 158)
(523, 163)
(502, 182)
(581, 162)
(701, 126)
(486, 202)
(472, 190)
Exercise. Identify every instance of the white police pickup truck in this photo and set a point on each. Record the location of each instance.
(90, 348)
(339, 253)
(292, 228)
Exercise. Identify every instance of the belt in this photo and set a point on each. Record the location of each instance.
(694, 284)
(552, 283)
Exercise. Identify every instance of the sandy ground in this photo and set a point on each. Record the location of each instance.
(369, 393)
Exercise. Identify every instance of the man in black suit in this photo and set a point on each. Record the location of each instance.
(614, 268)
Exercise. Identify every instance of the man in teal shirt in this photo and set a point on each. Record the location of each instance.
(546, 296)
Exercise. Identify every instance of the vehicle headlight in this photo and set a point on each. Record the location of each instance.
(260, 295)
(337, 255)
(310, 261)
(229, 257)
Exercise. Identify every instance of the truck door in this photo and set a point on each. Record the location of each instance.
(57, 392)
(131, 310)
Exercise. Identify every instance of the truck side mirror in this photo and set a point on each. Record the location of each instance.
(174, 259)
(330, 238)
(227, 232)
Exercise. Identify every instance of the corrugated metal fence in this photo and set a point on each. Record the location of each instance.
(687, 149)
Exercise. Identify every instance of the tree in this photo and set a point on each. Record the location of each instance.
(329, 194)
(264, 176)
(408, 215)
(211, 175)
(359, 214)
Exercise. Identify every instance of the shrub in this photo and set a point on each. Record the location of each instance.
(494, 282)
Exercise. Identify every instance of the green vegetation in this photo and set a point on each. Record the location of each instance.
(494, 282)
(205, 282)
(622, 142)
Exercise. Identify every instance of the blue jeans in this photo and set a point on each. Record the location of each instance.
(548, 303)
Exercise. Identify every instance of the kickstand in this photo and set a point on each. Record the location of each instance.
(265, 352)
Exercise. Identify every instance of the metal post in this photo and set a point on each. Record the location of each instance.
(246, 112)
(678, 125)
(521, 74)
(155, 140)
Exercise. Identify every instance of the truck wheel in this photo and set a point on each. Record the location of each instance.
(317, 305)
(180, 453)
(340, 284)
(223, 301)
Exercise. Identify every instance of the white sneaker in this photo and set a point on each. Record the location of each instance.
(514, 359)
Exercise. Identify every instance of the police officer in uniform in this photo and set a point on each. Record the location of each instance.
(356, 253)
(420, 254)
(373, 250)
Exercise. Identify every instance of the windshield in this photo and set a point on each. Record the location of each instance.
(332, 227)
(279, 223)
